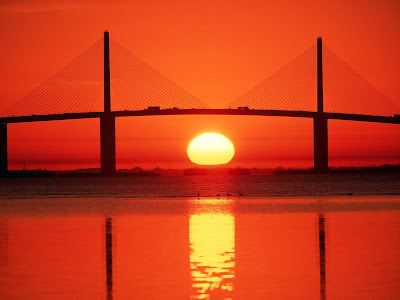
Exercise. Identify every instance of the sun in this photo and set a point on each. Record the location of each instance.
(210, 149)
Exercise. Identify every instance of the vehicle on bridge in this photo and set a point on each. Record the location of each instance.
(153, 108)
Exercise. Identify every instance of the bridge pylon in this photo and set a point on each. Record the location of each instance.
(320, 121)
(107, 120)
(3, 150)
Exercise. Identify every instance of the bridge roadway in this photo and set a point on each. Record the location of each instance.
(207, 111)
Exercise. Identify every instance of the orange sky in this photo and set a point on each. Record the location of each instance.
(214, 50)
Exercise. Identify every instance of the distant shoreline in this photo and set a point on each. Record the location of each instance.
(344, 170)
(139, 172)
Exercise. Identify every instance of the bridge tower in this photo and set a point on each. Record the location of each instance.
(320, 121)
(107, 120)
(3, 150)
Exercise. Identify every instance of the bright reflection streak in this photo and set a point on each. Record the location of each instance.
(212, 256)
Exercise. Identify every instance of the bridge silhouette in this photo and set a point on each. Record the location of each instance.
(74, 93)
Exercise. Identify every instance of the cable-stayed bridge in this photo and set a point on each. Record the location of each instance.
(317, 84)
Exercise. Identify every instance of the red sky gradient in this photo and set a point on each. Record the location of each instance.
(216, 51)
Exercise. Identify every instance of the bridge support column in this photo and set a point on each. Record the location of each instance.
(3, 150)
(107, 120)
(320, 145)
(320, 121)
(107, 144)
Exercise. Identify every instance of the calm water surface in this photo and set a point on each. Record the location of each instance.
(287, 237)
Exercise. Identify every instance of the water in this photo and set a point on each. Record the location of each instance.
(287, 237)
(206, 186)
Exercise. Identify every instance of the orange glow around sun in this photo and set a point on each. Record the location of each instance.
(210, 149)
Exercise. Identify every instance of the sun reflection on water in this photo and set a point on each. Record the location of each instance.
(212, 255)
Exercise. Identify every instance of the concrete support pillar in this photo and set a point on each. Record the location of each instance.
(107, 121)
(107, 144)
(320, 122)
(320, 145)
(3, 150)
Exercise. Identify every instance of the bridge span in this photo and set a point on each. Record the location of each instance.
(57, 94)
(202, 111)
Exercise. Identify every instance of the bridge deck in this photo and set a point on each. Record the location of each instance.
(227, 112)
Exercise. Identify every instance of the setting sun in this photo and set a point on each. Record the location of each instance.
(210, 149)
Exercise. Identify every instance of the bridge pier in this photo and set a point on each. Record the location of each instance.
(320, 121)
(107, 120)
(3, 150)
(320, 144)
(107, 144)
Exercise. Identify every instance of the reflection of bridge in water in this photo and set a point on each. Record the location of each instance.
(212, 255)
(73, 93)
(263, 248)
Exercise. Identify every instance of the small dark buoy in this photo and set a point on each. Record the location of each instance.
(217, 195)
(350, 194)
(198, 195)
(228, 194)
(240, 194)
